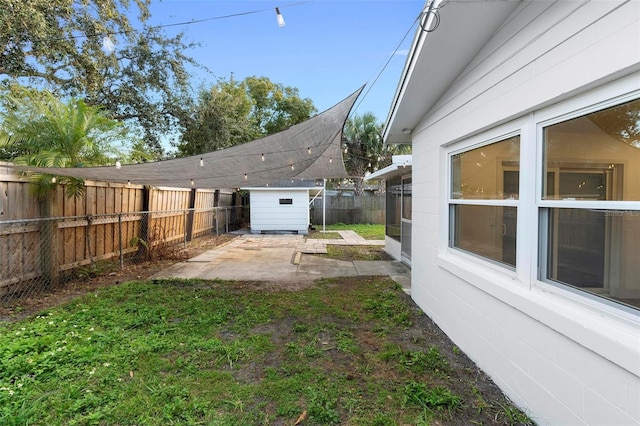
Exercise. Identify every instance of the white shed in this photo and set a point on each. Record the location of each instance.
(276, 208)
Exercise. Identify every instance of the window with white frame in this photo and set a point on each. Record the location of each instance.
(483, 201)
(588, 205)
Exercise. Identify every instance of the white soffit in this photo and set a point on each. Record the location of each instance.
(437, 58)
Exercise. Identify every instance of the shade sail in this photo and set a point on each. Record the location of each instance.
(307, 150)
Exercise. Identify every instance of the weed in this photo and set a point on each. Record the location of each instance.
(388, 307)
(514, 416)
(322, 406)
(436, 398)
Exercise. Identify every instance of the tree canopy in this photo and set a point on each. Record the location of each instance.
(58, 45)
(233, 112)
(39, 130)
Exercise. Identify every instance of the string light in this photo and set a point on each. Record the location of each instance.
(53, 179)
(262, 157)
(192, 182)
(345, 149)
(292, 167)
(309, 151)
(279, 18)
(201, 162)
(245, 176)
(128, 182)
(330, 160)
(118, 164)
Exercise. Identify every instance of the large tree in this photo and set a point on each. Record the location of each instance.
(60, 45)
(233, 112)
(39, 130)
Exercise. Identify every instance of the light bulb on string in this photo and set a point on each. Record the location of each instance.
(201, 162)
(309, 150)
(192, 182)
(262, 157)
(118, 164)
(279, 18)
(330, 160)
(53, 179)
(128, 182)
(246, 177)
(346, 149)
(292, 167)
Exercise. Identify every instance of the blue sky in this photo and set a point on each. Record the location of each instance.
(328, 49)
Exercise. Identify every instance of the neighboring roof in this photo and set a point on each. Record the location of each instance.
(437, 58)
(308, 150)
(401, 164)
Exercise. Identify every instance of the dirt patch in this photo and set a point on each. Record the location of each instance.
(17, 308)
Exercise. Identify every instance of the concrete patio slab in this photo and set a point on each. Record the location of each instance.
(270, 257)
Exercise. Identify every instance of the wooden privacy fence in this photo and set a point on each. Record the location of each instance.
(42, 243)
(349, 209)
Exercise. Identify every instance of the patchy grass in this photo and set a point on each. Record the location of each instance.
(352, 351)
(351, 253)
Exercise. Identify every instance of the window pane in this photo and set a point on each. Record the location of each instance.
(406, 199)
(394, 208)
(489, 172)
(594, 157)
(488, 231)
(596, 251)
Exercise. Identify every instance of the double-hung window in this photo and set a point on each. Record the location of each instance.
(588, 203)
(483, 201)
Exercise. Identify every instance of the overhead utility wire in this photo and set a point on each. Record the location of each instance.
(194, 21)
(363, 97)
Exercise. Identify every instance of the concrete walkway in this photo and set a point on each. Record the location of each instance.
(273, 257)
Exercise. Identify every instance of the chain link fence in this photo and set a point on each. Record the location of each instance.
(43, 255)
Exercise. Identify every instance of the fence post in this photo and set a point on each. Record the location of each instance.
(50, 241)
(185, 218)
(192, 211)
(120, 241)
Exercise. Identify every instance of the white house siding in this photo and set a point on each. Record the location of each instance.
(565, 359)
(267, 214)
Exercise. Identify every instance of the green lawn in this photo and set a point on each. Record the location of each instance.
(366, 231)
(351, 351)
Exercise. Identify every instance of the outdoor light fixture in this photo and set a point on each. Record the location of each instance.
(201, 162)
(118, 165)
(279, 18)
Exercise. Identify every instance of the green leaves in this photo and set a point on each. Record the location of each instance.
(40, 130)
(57, 44)
(232, 112)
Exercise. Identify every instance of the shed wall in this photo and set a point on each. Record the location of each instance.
(267, 214)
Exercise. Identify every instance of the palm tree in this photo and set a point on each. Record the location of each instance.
(37, 129)
(365, 149)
